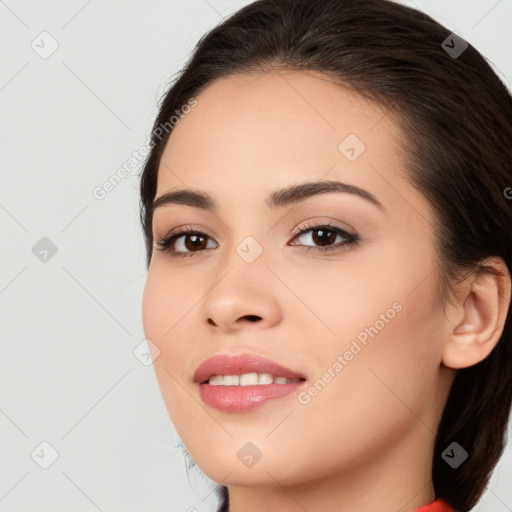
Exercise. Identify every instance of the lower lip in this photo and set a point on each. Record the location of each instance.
(244, 398)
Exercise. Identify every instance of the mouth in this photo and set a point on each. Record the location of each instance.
(238, 383)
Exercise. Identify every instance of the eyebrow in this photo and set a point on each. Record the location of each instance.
(277, 199)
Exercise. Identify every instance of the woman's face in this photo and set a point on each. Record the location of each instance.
(361, 322)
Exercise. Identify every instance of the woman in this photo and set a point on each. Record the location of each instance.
(328, 249)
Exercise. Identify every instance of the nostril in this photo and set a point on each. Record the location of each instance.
(252, 318)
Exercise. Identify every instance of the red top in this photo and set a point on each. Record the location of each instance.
(438, 505)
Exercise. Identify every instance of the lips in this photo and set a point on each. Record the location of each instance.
(239, 364)
(245, 398)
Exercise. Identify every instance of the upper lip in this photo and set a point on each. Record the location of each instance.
(238, 364)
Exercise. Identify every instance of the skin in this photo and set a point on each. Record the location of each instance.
(365, 442)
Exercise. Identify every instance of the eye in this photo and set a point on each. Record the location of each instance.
(325, 235)
(183, 242)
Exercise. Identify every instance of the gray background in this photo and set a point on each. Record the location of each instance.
(69, 325)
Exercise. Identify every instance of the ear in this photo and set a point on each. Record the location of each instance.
(477, 315)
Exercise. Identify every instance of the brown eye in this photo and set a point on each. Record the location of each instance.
(185, 243)
(324, 237)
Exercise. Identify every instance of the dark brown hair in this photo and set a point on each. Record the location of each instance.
(456, 117)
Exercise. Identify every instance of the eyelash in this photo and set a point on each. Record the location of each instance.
(164, 244)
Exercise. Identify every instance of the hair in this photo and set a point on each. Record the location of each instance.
(456, 119)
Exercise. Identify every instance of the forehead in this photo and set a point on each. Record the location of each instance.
(307, 104)
(252, 133)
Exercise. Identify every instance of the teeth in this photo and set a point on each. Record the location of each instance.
(265, 378)
(231, 380)
(216, 380)
(248, 379)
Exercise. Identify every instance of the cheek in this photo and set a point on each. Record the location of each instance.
(167, 306)
(389, 335)
(384, 288)
(161, 311)
(164, 302)
(153, 306)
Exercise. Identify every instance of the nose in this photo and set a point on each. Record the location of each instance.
(242, 300)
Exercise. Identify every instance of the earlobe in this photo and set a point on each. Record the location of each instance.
(478, 316)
